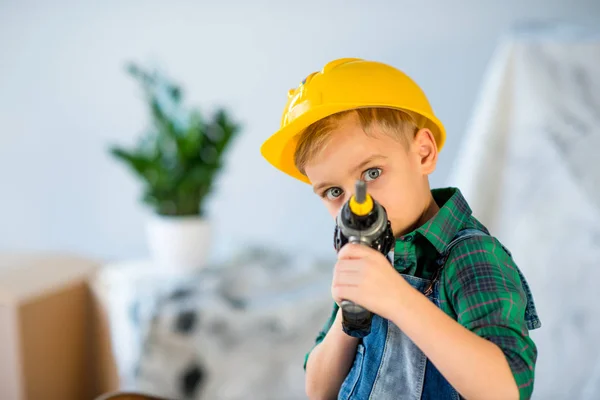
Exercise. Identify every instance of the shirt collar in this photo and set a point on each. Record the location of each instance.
(453, 215)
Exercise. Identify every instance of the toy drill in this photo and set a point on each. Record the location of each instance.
(361, 220)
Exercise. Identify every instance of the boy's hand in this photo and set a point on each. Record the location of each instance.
(366, 277)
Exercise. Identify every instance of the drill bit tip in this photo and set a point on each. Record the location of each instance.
(361, 192)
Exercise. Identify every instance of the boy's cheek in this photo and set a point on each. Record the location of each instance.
(332, 208)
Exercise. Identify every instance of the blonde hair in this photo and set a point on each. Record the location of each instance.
(399, 124)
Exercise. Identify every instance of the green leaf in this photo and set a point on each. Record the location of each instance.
(136, 162)
(180, 154)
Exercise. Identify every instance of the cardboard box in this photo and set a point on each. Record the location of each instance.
(54, 340)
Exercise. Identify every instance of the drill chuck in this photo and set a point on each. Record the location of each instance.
(361, 203)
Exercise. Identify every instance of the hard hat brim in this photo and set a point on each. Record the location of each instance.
(279, 148)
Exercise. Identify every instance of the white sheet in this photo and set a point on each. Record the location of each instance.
(530, 168)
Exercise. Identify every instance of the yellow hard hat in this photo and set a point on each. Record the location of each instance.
(344, 84)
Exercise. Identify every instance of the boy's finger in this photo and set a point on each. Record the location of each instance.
(347, 280)
(344, 293)
(353, 251)
(347, 265)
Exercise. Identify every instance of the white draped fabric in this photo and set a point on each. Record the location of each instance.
(529, 166)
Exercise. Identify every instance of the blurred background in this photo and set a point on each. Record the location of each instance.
(71, 211)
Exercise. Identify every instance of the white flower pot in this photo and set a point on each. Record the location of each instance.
(179, 244)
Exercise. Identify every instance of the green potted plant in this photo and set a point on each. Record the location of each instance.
(177, 161)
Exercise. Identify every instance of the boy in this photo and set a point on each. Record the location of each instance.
(452, 313)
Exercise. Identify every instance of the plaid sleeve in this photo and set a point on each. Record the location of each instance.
(483, 287)
(323, 331)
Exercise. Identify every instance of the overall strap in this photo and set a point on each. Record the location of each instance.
(531, 316)
(459, 237)
(441, 260)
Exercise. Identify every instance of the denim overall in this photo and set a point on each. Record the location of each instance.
(388, 365)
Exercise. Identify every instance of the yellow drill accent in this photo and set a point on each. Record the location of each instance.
(361, 208)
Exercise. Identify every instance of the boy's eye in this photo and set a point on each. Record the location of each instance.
(333, 193)
(371, 174)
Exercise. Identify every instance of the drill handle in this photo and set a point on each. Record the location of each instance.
(356, 320)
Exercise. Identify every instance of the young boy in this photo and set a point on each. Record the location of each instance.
(453, 312)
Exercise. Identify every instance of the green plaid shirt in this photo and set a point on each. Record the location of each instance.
(479, 286)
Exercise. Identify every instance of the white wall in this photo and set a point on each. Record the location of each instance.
(64, 97)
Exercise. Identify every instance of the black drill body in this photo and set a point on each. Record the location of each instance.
(372, 229)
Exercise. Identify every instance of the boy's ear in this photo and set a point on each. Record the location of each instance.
(426, 150)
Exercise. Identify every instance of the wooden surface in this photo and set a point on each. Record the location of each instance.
(129, 396)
